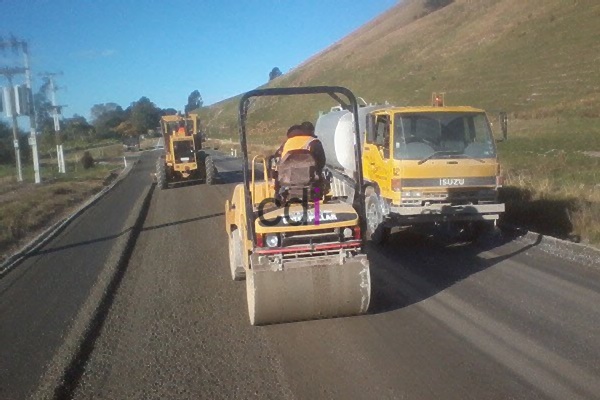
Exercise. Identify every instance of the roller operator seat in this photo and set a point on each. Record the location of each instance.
(297, 173)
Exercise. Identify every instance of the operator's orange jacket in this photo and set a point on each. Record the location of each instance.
(297, 143)
(300, 140)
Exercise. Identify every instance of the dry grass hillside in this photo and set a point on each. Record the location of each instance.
(531, 58)
(538, 60)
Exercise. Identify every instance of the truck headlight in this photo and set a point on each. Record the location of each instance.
(272, 240)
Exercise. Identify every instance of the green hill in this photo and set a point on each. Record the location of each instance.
(538, 60)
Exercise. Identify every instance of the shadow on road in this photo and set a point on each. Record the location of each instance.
(227, 177)
(82, 243)
(183, 221)
(115, 236)
(552, 217)
(230, 177)
(411, 268)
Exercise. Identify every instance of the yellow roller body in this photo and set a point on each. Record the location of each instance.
(317, 287)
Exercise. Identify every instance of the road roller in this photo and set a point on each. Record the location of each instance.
(299, 249)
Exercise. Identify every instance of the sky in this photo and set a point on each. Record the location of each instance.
(120, 50)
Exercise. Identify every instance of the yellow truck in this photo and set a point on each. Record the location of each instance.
(430, 165)
(183, 159)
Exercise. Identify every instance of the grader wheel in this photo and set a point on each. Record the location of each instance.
(209, 165)
(161, 174)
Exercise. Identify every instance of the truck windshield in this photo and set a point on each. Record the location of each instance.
(442, 134)
(184, 151)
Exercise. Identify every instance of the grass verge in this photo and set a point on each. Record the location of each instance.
(26, 208)
(552, 171)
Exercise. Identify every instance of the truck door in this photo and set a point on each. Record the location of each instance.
(377, 150)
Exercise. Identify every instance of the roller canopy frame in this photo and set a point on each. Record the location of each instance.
(333, 91)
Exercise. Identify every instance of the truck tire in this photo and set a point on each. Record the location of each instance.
(478, 230)
(236, 264)
(209, 166)
(161, 174)
(376, 232)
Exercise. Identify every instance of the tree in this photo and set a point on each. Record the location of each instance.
(7, 155)
(194, 101)
(126, 128)
(106, 117)
(275, 72)
(144, 115)
(168, 111)
(99, 110)
(77, 127)
(7, 150)
(43, 109)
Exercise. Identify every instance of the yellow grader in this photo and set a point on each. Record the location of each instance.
(183, 159)
(303, 257)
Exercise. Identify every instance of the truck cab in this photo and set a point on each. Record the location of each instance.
(430, 165)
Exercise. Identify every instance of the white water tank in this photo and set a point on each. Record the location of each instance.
(335, 130)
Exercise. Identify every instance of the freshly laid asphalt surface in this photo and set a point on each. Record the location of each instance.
(494, 320)
(40, 298)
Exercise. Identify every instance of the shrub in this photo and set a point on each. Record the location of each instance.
(87, 160)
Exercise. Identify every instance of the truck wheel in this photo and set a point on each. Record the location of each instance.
(478, 230)
(209, 166)
(376, 232)
(236, 264)
(161, 174)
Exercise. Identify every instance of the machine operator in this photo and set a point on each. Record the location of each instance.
(301, 137)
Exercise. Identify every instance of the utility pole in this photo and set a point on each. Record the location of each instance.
(12, 106)
(32, 124)
(55, 116)
(17, 45)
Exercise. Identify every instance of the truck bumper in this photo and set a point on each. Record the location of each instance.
(445, 213)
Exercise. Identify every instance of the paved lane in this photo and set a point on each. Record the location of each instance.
(40, 298)
(497, 320)
(501, 319)
(178, 327)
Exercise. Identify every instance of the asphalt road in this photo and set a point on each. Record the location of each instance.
(41, 298)
(497, 320)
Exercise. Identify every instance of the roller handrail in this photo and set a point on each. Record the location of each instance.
(332, 91)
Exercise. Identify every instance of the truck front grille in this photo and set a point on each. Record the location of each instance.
(452, 197)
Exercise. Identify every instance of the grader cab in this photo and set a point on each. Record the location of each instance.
(183, 160)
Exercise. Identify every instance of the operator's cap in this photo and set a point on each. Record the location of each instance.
(293, 128)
